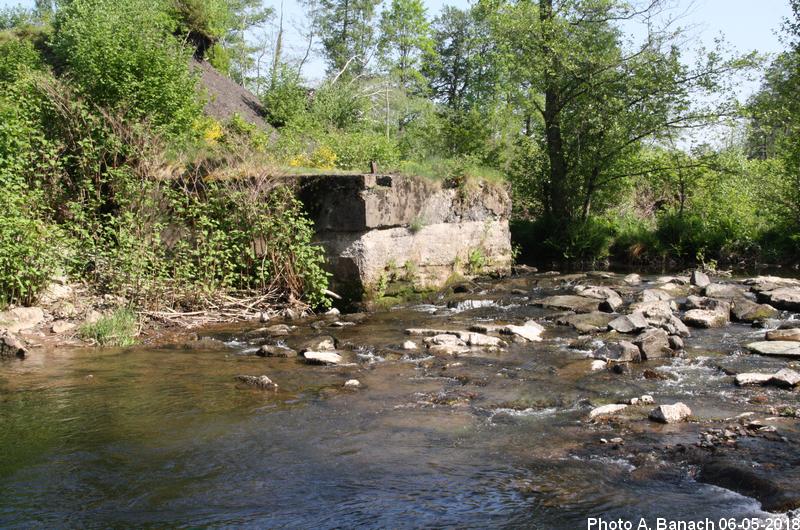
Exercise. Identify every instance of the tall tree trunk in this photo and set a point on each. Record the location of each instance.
(559, 208)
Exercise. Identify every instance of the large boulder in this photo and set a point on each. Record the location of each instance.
(655, 295)
(659, 309)
(618, 351)
(530, 331)
(274, 350)
(779, 348)
(632, 323)
(783, 298)
(11, 346)
(610, 299)
(632, 279)
(747, 311)
(654, 344)
(587, 322)
(786, 378)
(707, 313)
(670, 413)
(723, 290)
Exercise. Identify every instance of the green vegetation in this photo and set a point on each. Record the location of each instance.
(111, 172)
(117, 329)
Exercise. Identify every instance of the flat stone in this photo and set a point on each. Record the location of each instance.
(428, 332)
(618, 351)
(654, 344)
(270, 350)
(479, 339)
(62, 326)
(444, 339)
(724, 290)
(606, 410)
(259, 381)
(578, 304)
(322, 357)
(11, 346)
(21, 318)
(410, 345)
(700, 279)
(670, 413)
(780, 348)
(632, 323)
(587, 322)
(530, 331)
(783, 298)
(784, 334)
(744, 310)
(752, 378)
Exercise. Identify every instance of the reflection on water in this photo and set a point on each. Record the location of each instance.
(164, 437)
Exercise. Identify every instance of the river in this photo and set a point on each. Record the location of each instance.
(151, 437)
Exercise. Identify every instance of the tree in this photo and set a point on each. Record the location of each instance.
(405, 39)
(462, 68)
(347, 30)
(595, 100)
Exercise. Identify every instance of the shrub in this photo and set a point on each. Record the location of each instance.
(117, 329)
(122, 55)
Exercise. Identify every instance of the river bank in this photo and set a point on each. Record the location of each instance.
(480, 408)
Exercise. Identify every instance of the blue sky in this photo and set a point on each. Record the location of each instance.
(745, 24)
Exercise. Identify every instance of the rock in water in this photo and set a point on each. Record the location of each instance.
(632, 279)
(700, 279)
(606, 410)
(410, 345)
(781, 348)
(633, 323)
(621, 352)
(352, 383)
(530, 331)
(670, 413)
(259, 381)
(11, 346)
(270, 350)
(783, 298)
(744, 310)
(723, 290)
(278, 330)
(587, 322)
(322, 357)
(791, 335)
(752, 378)
(786, 378)
(655, 295)
(578, 304)
(611, 300)
(654, 344)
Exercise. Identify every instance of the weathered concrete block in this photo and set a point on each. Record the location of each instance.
(378, 226)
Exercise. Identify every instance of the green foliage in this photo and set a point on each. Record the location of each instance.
(122, 55)
(405, 39)
(476, 261)
(117, 329)
(347, 30)
(286, 100)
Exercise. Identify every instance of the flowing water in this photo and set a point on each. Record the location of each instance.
(165, 437)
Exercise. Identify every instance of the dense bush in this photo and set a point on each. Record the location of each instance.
(122, 56)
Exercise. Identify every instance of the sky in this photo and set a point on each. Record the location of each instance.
(745, 24)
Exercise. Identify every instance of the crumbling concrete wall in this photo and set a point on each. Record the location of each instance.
(379, 228)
